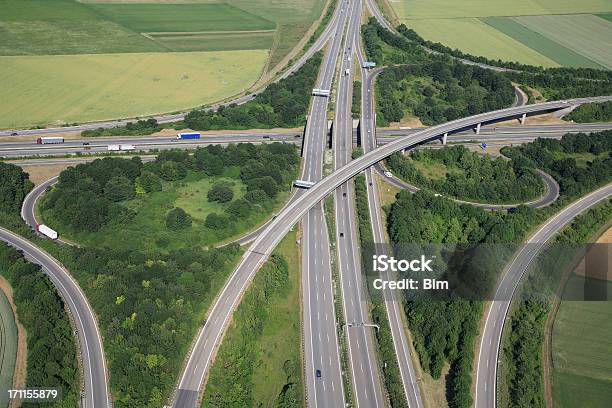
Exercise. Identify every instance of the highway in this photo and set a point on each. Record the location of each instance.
(91, 351)
(320, 334)
(365, 374)
(393, 307)
(29, 148)
(486, 370)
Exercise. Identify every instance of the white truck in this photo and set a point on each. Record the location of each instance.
(46, 231)
(50, 140)
(120, 147)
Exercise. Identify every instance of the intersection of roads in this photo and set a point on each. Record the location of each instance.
(331, 268)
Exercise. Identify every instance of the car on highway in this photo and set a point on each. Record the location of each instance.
(85, 143)
(388, 174)
(14, 134)
(297, 136)
(318, 373)
(266, 137)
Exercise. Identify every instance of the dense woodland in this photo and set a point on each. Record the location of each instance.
(51, 360)
(92, 195)
(591, 112)
(470, 176)
(281, 104)
(14, 186)
(579, 162)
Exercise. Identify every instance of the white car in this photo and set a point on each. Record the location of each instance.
(388, 174)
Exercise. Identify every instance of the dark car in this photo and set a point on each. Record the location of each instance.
(318, 373)
(342, 234)
(297, 136)
(266, 137)
(14, 134)
(85, 143)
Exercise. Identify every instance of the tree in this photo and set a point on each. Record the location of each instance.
(171, 170)
(216, 222)
(178, 219)
(221, 192)
(14, 186)
(119, 189)
(149, 181)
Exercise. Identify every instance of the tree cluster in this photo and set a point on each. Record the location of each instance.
(14, 186)
(92, 195)
(591, 112)
(480, 178)
(141, 127)
(51, 359)
(281, 104)
(440, 91)
(558, 158)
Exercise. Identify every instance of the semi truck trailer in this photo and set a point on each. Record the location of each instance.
(46, 231)
(50, 140)
(183, 136)
(120, 147)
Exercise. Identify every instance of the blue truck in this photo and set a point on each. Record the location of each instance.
(183, 136)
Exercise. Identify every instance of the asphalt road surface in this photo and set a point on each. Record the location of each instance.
(486, 370)
(27, 148)
(363, 362)
(96, 392)
(395, 315)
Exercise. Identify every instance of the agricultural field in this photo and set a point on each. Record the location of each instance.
(260, 33)
(581, 347)
(61, 89)
(8, 347)
(548, 33)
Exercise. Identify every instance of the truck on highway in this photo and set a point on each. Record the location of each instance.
(320, 92)
(50, 140)
(183, 136)
(46, 231)
(120, 147)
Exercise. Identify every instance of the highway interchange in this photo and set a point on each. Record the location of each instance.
(321, 341)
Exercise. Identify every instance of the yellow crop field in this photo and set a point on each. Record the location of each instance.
(462, 33)
(58, 89)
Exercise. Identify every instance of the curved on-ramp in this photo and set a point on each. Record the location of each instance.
(96, 392)
(488, 355)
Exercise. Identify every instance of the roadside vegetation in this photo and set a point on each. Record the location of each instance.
(122, 203)
(523, 359)
(281, 104)
(141, 127)
(356, 103)
(458, 172)
(259, 362)
(384, 338)
(52, 358)
(591, 112)
(436, 87)
(444, 330)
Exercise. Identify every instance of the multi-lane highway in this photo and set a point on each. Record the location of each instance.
(365, 373)
(91, 351)
(27, 148)
(320, 332)
(486, 369)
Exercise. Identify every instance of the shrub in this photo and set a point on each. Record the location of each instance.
(178, 219)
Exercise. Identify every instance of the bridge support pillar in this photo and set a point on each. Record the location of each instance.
(478, 128)
(523, 118)
(445, 138)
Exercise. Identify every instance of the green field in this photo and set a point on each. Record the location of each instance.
(138, 79)
(545, 32)
(61, 89)
(581, 350)
(144, 230)
(8, 347)
(259, 363)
